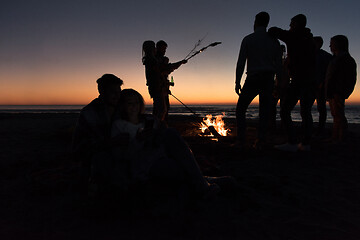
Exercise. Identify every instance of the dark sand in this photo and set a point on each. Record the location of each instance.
(313, 195)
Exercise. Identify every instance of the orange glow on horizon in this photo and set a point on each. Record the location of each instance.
(76, 98)
(76, 88)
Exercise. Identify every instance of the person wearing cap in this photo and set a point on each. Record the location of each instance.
(92, 136)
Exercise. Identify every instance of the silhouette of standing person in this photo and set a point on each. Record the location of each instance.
(323, 59)
(340, 82)
(166, 68)
(263, 56)
(157, 85)
(301, 66)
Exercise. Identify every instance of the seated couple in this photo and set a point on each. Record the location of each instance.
(122, 147)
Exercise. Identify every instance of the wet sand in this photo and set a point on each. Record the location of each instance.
(303, 195)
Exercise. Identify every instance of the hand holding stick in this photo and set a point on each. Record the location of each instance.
(203, 49)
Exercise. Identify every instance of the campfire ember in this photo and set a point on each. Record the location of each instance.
(217, 123)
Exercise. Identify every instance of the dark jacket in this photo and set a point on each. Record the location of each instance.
(93, 128)
(341, 76)
(301, 52)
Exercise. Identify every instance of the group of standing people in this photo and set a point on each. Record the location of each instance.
(307, 73)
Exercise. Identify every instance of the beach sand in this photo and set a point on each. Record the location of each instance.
(303, 195)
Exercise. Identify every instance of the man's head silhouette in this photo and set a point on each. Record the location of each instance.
(109, 87)
(161, 47)
(319, 41)
(339, 43)
(298, 22)
(262, 19)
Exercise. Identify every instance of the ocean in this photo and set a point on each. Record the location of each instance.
(352, 111)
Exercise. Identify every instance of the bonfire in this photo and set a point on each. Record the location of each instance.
(217, 123)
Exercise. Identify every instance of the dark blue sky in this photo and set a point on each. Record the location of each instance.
(53, 51)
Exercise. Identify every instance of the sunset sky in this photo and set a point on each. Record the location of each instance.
(52, 51)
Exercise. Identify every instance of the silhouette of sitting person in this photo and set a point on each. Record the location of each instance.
(340, 82)
(323, 59)
(155, 152)
(263, 56)
(301, 66)
(92, 140)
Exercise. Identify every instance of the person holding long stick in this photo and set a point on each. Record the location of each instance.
(166, 68)
(156, 79)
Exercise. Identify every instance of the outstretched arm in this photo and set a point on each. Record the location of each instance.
(176, 65)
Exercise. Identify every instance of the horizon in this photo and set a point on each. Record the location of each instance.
(150, 104)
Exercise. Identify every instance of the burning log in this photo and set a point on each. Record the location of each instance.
(216, 127)
(213, 131)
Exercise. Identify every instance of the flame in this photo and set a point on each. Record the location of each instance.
(217, 123)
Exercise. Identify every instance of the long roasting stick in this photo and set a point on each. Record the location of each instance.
(203, 49)
(196, 45)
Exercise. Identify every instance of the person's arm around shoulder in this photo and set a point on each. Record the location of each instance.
(279, 33)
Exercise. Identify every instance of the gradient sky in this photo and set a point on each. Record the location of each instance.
(52, 51)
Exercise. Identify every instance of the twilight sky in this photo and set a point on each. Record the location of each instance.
(52, 51)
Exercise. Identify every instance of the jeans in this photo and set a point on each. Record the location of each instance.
(306, 95)
(160, 106)
(257, 84)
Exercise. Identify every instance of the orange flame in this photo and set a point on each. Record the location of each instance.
(217, 123)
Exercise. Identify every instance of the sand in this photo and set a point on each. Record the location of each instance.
(303, 195)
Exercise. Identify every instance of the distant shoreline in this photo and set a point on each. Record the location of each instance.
(73, 116)
(147, 104)
(352, 111)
